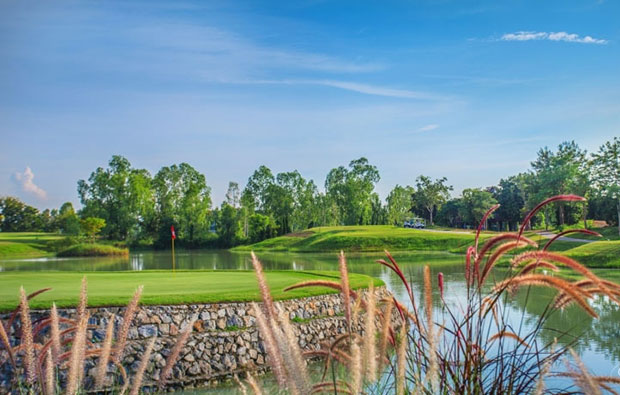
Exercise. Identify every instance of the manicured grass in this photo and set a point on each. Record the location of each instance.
(26, 244)
(604, 254)
(366, 239)
(93, 249)
(161, 287)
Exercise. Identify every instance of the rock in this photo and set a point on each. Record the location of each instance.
(147, 330)
(194, 369)
(221, 323)
(198, 326)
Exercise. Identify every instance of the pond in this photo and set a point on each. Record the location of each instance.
(599, 340)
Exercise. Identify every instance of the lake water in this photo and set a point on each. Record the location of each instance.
(599, 340)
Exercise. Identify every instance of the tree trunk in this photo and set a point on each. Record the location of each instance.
(618, 209)
(585, 215)
(561, 214)
(430, 215)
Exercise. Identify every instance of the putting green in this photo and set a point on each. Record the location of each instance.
(161, 287)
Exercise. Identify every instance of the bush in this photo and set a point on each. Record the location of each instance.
(88, 249)
(64, 243)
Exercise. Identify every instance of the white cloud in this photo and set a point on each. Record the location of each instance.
(25, 180)
(551, 36)
(354, 87)
(428, 128)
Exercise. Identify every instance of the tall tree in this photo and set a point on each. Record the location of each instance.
(399, 204)
(255, 192)
(121, 195)
(17, 216)
(561, 172)
(233, 194)
(474, 205)
(607, 172)
(229, 228)
(511, 197)
(431, 194)
(68, 220)
(351, 190)
(182, 199)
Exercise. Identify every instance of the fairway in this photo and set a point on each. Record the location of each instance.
(368, 238)
(161, 287)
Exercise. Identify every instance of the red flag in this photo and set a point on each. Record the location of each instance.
(174, 235)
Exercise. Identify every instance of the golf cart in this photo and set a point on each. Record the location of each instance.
(415, 223)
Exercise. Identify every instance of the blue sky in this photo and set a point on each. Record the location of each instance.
(469, 90)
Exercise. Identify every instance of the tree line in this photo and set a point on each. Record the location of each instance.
(134, 206)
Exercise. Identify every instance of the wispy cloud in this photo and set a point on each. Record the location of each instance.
(25, 181)
(551, 36)
(367, 89)
(428, 128)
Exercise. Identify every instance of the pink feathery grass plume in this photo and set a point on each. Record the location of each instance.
(482, 222)
(7, 344)
(440, 283)
(344, 282)
(130, 311)
(174, 354)
(27, 340)
(263, 287)
(557, 198)
(146, 357)
(566, 232)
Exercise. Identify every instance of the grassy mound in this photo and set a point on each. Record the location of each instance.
(26, 244)
(162, 287)
(604, 254)
(93, 249)
(366, 239)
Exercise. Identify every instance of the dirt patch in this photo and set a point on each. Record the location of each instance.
(599, 224)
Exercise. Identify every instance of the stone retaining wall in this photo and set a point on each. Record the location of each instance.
(224, 341)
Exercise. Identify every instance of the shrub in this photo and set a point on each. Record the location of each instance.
(87, 249)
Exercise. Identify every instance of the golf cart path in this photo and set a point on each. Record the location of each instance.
(545, 234)
(550, 235)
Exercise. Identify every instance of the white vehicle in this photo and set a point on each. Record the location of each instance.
(415, 223)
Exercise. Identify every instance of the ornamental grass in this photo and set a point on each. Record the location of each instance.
(467, 347)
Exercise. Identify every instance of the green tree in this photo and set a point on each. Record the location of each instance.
(560, 172)
(351, 190)
(261, 227)
(182, 199)
(378, 212)
(511, 197)
(121, 195)
(290, 201)
(91, 226)
(431, 194)
(474, 204)
(606, 175)
(255, 192)
(399, 204)
(18, 216)
(450, 213)
(233, 194)
(68, 221)
(229, 227)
